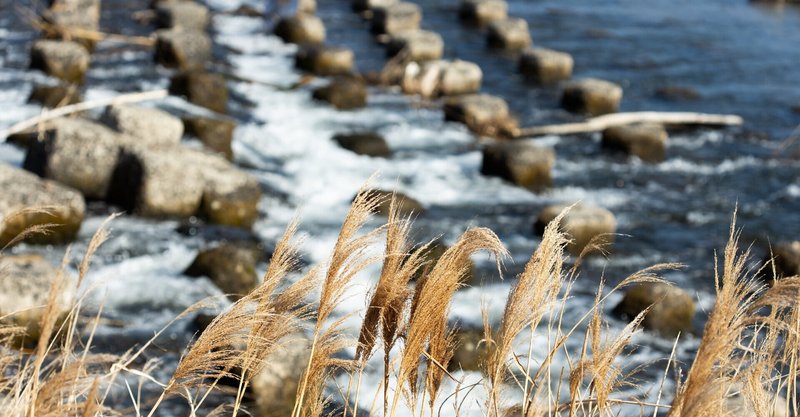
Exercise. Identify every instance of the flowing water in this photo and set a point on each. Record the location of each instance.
(738, 57)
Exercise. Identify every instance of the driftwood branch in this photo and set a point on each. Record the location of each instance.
(48, 115)
(599, 123)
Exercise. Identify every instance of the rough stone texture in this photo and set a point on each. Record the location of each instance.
(325, 60)
(65, 60)
(23, 190)
(442, 78)
(483, 12)
(54, 95)
(521, 163)
(482, 113)
(182, 14)
(24, 288)
(215, 134)
(157, 183)
(73, 14)
(592, 96)
(545, 66)
(470, 352)
(150, 127)
(672, 311)
(582, 224)
(405, 204)
(230, 195)
(396, 18)
(302, 28)
(511, 33)
(418, 45)
(203, 89)
(364, 5)
(182, 49)
(275, 388)
(344, 93)
(364, 143)
(646, 141)
(78, 153)
(786, 261)
(460, 77)
(231, 267)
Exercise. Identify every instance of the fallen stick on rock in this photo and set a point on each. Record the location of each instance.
(48, 115)
(599, 123)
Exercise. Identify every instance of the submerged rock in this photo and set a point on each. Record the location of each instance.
(24, 288)
(395, 18)
(301, 29)
(510, 33)
(483, 12)
(417, 45)
(672, 308)
(149, 126)
(545, 66)
(215, 134)
(344, 93)
(182, 48)
(22, 193)
(523, 164)
(592, 96)
(364, 143)
(54, 95)
(231, 267)
(182, 14)
(482, 113)
(65, 60)
(201, 88)
(646, 141)
(325, 60)
(582, 224)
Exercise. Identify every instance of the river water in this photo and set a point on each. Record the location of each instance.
(738, 57)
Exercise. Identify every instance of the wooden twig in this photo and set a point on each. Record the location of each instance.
(48, 115)
(599, 123)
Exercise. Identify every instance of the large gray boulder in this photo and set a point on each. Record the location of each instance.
(417, 45)
(582, 224)
(78, 153)
(184, 49)
(301, 29)
(511, 34)
(24, 288)
(521, 163)
(591, 96)
(150, 127)
(182, 14)
(647, 141)
(483, 12)
(545, 66)
(230, 195)
(672, 308)
(23, 192)
(215, 133)
(396, 18)
(65, 60)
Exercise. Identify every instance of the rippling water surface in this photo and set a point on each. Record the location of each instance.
(740, 59)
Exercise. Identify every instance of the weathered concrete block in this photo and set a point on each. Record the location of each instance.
(511, 33)
(364, 143)
(54, 95)
(22, 192)
(582, 224)
(182, 14)
(483, 12)
(592, 96)
(646, 141)
(74, 14)
(325, 60)
(275, 388)
(672, 308)
(482, 113)
(441, 77)
(300, 29)
(523, 164)
(231, 267)
(396, 18)
(202, 88)
(460, 77)
(417, 45)
(183, 49)
(545, 66)
(215, 134)
(150, 127)
(66, 60)
(344, 93)
(230, 195)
